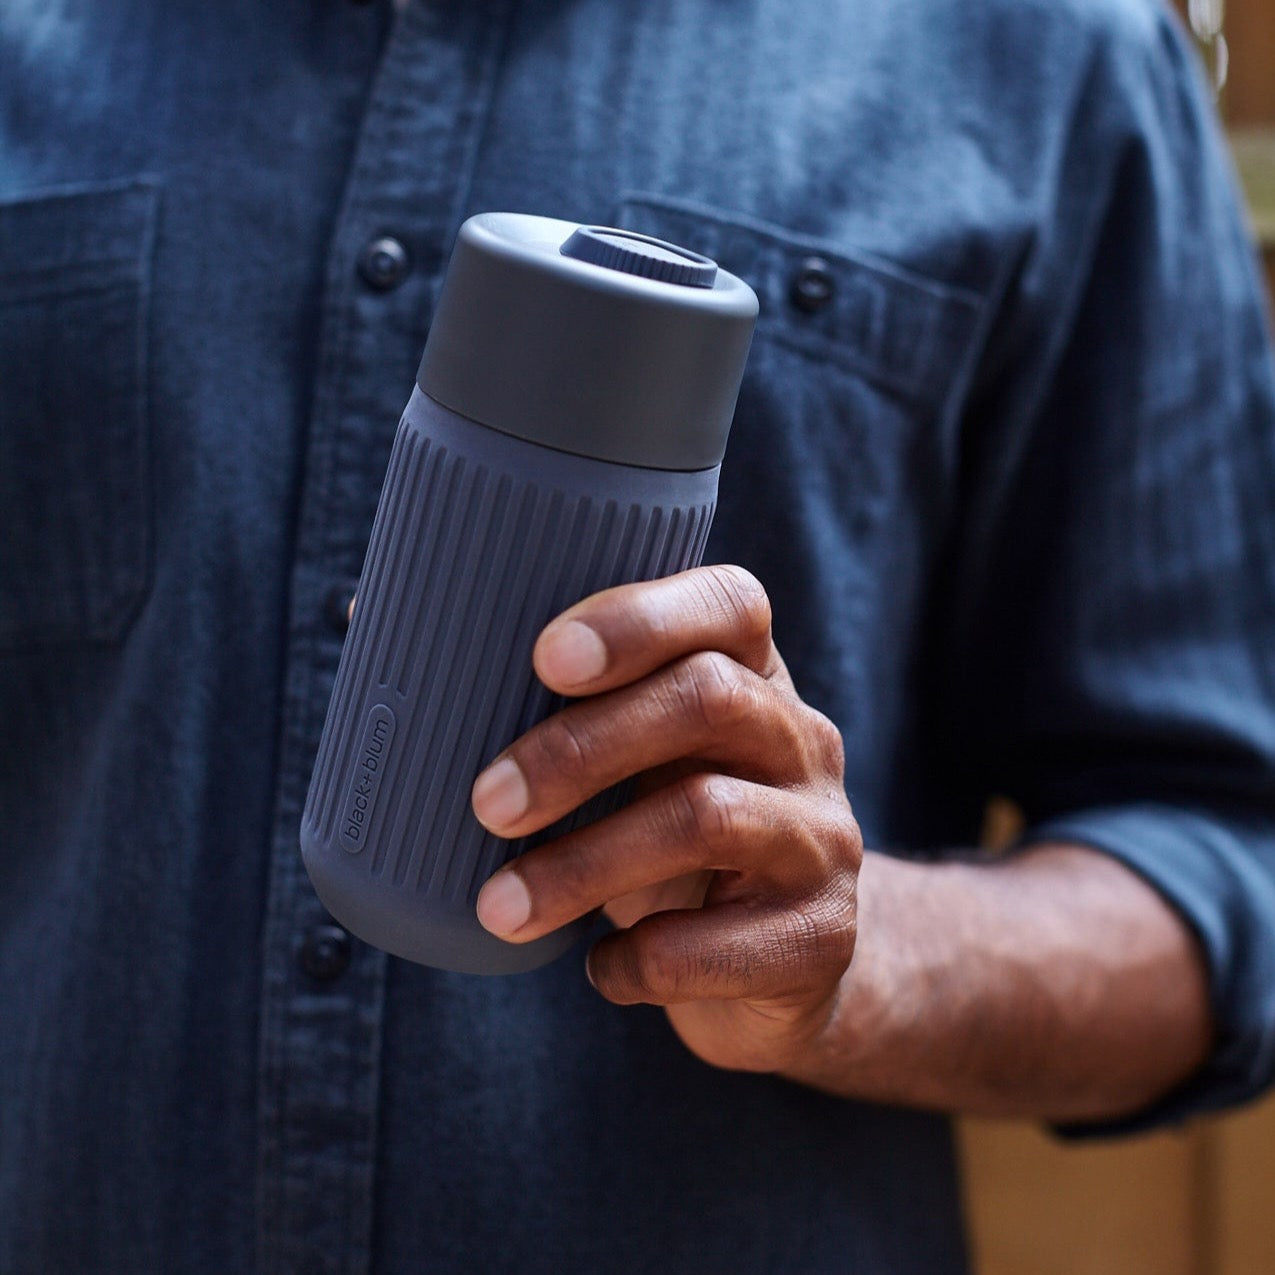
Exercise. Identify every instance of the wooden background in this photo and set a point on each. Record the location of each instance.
(1196, 1202)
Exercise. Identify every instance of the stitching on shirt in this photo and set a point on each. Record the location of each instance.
(70, 289)
(789, 239)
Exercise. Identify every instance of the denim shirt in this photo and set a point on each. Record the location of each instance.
(1004, 459)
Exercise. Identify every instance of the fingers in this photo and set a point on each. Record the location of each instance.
(705, 706)
(681, 677)
(622, 634)
(733, 952)
(775, 844)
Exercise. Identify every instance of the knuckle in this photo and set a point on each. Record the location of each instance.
(648, 971)
(705, 810)
(823, 932)
(829, 746)
(802, 939)
(838, 850)
(847, 846)
(624, 976)
(711, 688)
(562, 747)
(742, 596)
(561, 877)
(654, 966)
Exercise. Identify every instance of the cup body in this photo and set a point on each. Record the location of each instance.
(569, 418)
(479, 540)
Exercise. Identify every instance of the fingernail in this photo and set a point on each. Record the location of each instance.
(500, 795)
(504, 905)
(588, 971)
(573, 654)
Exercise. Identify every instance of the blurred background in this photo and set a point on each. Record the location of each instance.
(1200, 1201)
(1247, 99)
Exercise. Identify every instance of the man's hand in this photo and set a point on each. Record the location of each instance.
(1053, 983)
(733, 875)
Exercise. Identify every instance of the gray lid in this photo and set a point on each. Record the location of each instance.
(592, 340)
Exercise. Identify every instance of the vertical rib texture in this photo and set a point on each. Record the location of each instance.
(469, 559)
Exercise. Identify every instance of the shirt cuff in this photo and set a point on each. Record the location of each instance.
(1218, 871)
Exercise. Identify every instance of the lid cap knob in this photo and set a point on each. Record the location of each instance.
(640, 255)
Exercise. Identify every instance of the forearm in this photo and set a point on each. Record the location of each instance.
(1056, 984)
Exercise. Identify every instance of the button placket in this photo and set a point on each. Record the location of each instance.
(384, 263)
(424, 118)
(325, 953)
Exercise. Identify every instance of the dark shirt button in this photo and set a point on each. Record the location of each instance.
(336, 607)
(384, 264)
(813, 286)
(326, 952)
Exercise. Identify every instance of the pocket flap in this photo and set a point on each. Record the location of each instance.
(76, 238)
(892, 326)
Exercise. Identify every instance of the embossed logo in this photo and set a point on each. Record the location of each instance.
(370, 760)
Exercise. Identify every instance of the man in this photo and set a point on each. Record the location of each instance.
(1000, 471)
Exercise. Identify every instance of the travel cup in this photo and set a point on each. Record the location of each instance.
(564, 435)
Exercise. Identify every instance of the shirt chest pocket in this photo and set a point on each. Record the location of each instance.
(843, 453)
(74, 447)
(849, 413)
(858, 367)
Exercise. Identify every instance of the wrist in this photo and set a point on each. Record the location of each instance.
(1054, 985)
(856, 1047)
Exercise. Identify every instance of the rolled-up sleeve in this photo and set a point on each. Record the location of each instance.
(1109, 616)
(1217, 867)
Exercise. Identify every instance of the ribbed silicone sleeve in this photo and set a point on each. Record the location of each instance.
(479, 540)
